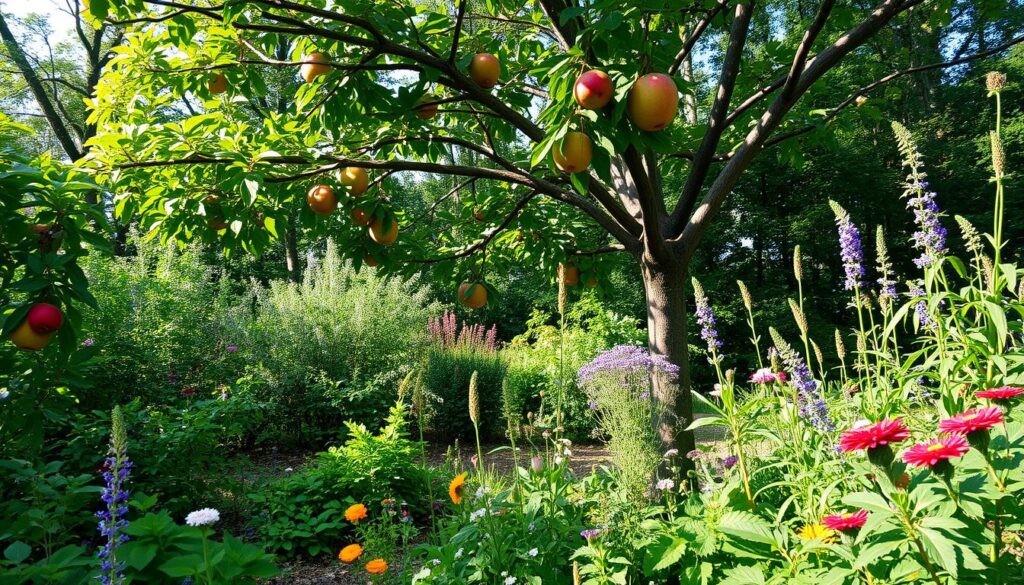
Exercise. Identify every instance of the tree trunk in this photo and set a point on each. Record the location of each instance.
(665, 287)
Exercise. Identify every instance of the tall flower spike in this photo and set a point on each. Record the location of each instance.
(886, 283)
(112, 522)
(798, 266)
(998, 156)
(706, 318)
(474, 399)
(930, 237)
(850, 249)
(840, 346)
(419, 400)
(972, 241)
(748, 301)
(812, 405)
(403, 386)
(798, 316)
(817, 354)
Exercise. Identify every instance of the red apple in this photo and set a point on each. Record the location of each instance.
(574, 153)
(44, 318)
(485, 69)
(653, 102)
(593, 90)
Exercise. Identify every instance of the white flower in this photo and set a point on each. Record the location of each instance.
(482, 491)
(478, 514)
(666, 484)
(203, 517)
(458, 554)
(437, 562)
(533, 552)
(510, 580)
(671, 453)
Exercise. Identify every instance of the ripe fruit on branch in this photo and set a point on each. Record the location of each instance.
(381, 236)
(479, 215)
(26, 339)
(359, 217)
(484, 70)
(653, 102)
(472, 295)
(313, 66)
(427, 107)
(44, 318)
(355, 178)
(593, 90)
(370, 260)
(218, 84)
(568, 274)
(321, 199)
(574, 153)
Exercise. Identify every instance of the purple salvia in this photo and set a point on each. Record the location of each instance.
(112, 517)
(706, 319)
(812, 405)
(930, 237)
(921, 306)
(850, 249)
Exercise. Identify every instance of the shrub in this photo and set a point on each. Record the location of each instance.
(303, 513)
(451, 360)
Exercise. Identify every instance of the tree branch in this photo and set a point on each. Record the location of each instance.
(458, 31)
(698, 31)
(488, 235)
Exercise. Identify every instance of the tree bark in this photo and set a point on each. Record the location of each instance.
(665, 287)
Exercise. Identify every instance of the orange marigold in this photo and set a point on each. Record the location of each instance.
(377, 566)
(456, 486)
(355, 513)
(350, 553)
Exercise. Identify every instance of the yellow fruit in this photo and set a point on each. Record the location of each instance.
(28, 340)
(384, 238)
(475, 299)
(574, 153)
(485, 69)
(321, 199)
(355, 178)
(313, 66)
(653, 102)
(569, 274)
(426, 109)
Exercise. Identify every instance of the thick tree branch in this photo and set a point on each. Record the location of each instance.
(698, 31)
(705, 154)
(804, 48)
(35, 84)
(458, 31)
(773, 117)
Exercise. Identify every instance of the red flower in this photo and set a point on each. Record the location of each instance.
(781, 377)
(975, 419)
(188, 391)
(1004, 393)
(936, 450)
(890, 430)
(847, 521)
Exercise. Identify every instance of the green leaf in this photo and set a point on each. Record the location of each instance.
(17, 551)
(746, 526)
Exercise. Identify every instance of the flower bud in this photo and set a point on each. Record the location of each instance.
(995, 81)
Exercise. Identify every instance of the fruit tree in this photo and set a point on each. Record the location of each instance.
(557, 122)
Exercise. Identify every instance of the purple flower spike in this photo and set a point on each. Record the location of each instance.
(850, 249)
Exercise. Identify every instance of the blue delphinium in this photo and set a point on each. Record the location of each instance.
(116, 469)
(706, 319)
(850, 249)
(812, 405)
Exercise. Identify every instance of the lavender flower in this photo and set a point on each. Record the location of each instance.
(921, 307)
(812, 404)
(730, 461)
(706, 319)
(626, 360)
(112, 523)
(589, 533)
(850, 249)
(930, 237)
(665, 485)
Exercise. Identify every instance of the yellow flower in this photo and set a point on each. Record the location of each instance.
(377, 566)
(355, 513)
(350, 553)
(456, 486)
(817, 531)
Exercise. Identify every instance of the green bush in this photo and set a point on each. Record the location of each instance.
(539, 358)
(303, 513)
(446, 379)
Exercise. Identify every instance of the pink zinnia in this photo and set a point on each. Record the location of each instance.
(890, 430)
(973, 420)
(935, 451)
(1004, 393)
(847, 521)
(763, 376)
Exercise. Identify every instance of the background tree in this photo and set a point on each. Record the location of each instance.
(652, 195)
